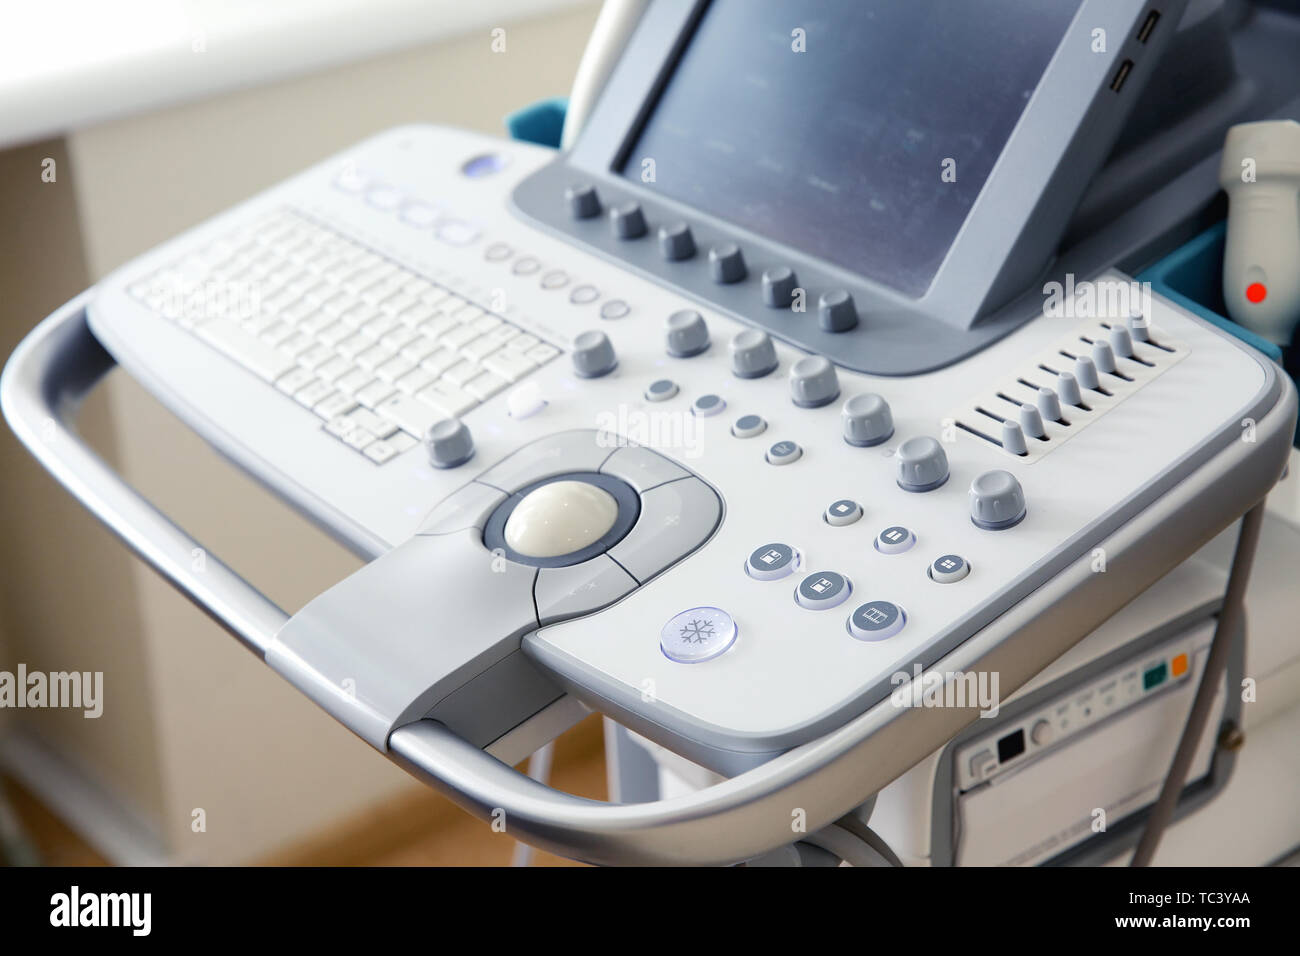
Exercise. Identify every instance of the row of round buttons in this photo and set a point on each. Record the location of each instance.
(774, 561)
(554, 279)
(413, 212)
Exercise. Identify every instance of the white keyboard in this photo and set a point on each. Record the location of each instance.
(378, 352)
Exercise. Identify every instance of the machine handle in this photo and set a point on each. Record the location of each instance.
(41, 389)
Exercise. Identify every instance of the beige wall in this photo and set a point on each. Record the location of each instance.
(202, 724)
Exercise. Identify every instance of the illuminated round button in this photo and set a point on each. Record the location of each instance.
(843, 512)
(525, 266)
(949, 568)
(583, 294)
(560, 518)
(894, 540)
(822, 590)
(747, 426)
(784, 453)
(555, 279)
(876, 621)
(772, 562)
(698, 634)
(661, 390)
(614, 309)
(707, 405)
(498, 252)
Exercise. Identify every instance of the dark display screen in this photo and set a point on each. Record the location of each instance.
(865, 138)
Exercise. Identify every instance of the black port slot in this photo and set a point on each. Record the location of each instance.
(1028, 384)
(1011, 746)
(984, 411)
(1121, 75)
(1148, 26)
(1007, 398)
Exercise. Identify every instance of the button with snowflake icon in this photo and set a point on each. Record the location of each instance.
(699, 634)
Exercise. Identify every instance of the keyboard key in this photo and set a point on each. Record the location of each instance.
(419, 349)
(462, 372)
(399, 338)
(543, 353)
(486, 323)
(457, 337)
(480, 348)
(354, 345)
(416, 314)
(379, 326)
(334, 369)
(438, 326)
(485, 386)
(374, 357)
(394, 368)
(354, 381)
(334, 334)
(315, 357)
(396, 304)
(229, 338)
(379, 451)
(450, 399)
(509, 364)
(440, 360)
(409, 414)
(374, 393)
(376, 425)
(358, 438)
(334, 405)
(314, 393)
(280, 332)
(416, 379)
(293, 380)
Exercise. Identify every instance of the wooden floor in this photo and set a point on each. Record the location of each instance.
(424, 829)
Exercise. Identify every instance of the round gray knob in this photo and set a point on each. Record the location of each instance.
(1121, 341)
(627, 220)
(752, 354)
(687, 334)
(996, 500)
(1103, 356)
(583, 201)
(1067, 389)
(1013, 438)
(676, 242)
(1049, 405)
(1031, 420)
(836, 311)
(593, 355)
(449, 443)
(867, 420)
(779, 284)
(922, 464)
(1140, 328)
(813, 382)
(1085, 372)
(726, 263)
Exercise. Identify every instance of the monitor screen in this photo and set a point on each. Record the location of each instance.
(858, 131)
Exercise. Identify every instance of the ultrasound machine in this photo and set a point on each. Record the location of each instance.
(807, 415)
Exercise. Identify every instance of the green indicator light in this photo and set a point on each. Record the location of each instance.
(1154, 676)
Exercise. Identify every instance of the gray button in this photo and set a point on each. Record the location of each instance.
(747, 426)
(1049, 405)
(1140, 328)
(498, 252)
(867, 420)
(579, 589)
(449, 443)
(675, 519)
(1013, 438)
(467, 507)
(1103, 356)
(686, 334)
(627, 220)
(822, 590)
(555, 279)
(1067, 389)
(661, 390)
(982, 763)
(842, 512)
(813, 382)
(698, 634)
(752, 354)
(895, 540)
(996, 500)
(525, 266)
(1121, 342)
(783, 453)
(642, 468)
(1085, 372)
(707, 405)
(876, 621)
(676, 242)
(779, 284)
(836, 311)
(614, 309)
(772, 562)
(949, 568)
(922, 464)
(593, 355)
(1031, 420)
(583, 202)
(558, 454)
(726, 264)
(583, 294)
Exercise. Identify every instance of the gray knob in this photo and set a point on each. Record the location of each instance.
(676, 242)
(813, 382)
(1085, 372)
(1031, 420)
(867, 420)
(752, 354)
(726, 263)
(449, 443)
(627, 220)
(593, 355)
(583, 201)
(779, 284)
(836, 311)
(1067, 389)
(1121, 341)
(1140, 328)
(996, 500)
(687, 334)
(1049, 405)
(1013, 438)
(1103, 356)
(922, 464)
